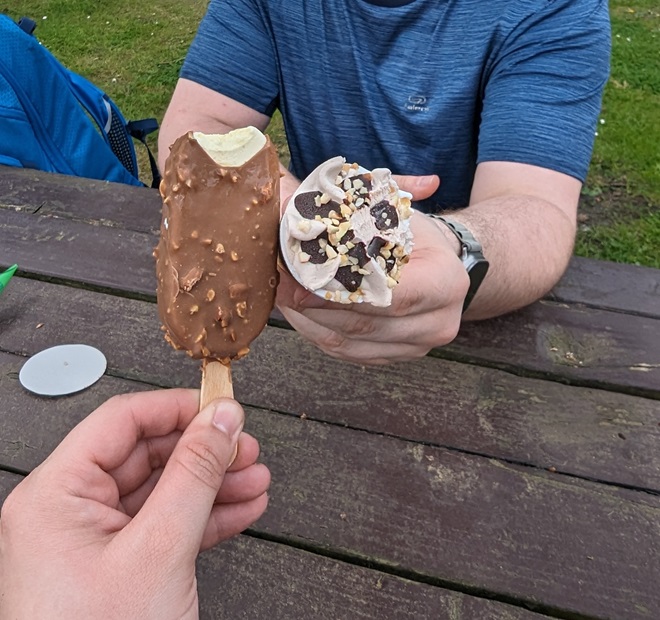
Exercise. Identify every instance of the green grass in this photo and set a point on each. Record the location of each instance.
(627, 149)
(134, 52)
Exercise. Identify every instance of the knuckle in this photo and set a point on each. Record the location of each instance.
(11, 510)
(331, 342)
(361, 325)
(446, 333)
(200, 460)
(406, 302)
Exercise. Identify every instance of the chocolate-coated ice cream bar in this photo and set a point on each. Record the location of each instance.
(217, 256)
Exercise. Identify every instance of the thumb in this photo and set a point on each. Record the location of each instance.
(420, 187)
(180, 505)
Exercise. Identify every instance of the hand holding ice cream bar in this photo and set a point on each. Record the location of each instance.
(217, 256)
(346, 233)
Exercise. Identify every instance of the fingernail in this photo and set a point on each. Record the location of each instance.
(229, 418)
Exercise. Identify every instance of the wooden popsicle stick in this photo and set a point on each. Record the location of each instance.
(216, 383)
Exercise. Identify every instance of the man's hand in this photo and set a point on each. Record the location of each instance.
(110, 524)
(425, 312)
(426, 305)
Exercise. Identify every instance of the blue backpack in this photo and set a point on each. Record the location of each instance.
(55, 120)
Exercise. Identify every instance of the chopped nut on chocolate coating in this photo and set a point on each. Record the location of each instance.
(191, 278)
(238, 289)
(241, 309)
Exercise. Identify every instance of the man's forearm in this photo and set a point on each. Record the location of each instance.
(528, 242)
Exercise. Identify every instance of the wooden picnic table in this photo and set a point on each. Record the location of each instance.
(513, 474)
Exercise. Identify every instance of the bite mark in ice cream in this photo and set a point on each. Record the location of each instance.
(346, 233)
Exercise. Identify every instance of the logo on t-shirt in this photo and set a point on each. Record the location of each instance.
(417, 103)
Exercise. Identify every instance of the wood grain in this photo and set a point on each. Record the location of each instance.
(610, 286)
(430, 514)
(599, 284)
(567, 343)
(582, 345)
(254, 579)
(585, 432)
(294, 584)
(8, 483)
(89, 200)
(216, 382)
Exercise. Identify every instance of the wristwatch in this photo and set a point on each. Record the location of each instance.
(471, 256)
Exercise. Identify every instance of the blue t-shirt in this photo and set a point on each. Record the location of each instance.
(418, 86)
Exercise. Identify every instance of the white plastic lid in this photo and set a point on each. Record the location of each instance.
(64, 369)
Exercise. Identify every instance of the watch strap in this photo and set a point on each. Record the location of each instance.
(471, 255)
(468, 243)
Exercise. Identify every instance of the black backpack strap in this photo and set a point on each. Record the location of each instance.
(140, 130)
(27, 25)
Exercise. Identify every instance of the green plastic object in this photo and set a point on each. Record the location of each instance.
(6, 276)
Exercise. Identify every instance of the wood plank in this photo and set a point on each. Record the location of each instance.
(100, 202)
(583, 345)
(584, 432)
(591, 347)
(578, 547)
(610, 286)
(473, 524)
(600, 284)
(72, 250)
(295, 584)
(27, 438)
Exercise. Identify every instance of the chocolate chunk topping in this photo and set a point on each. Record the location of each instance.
(385, 215)
(306, 205)
(312, 247)
(324, 210)
(351, 280)
(359, 252)
(375, 246)
(389, 263)
(366, 179)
